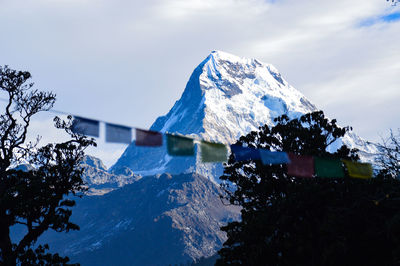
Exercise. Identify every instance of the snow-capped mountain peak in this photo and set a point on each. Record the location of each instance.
(226, 97)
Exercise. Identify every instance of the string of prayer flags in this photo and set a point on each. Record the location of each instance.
(300, 165)
(148, 138)
(245, 153)
(85, 126)
(358, 170)
(179, 145)
(273, 157)
(213, 152)
(118, 134)
(328, 167)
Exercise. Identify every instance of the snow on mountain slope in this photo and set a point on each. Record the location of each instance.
(226, 97)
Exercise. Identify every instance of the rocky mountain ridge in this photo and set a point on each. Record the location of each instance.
(157, 220)
(226, 97)
(99, 180)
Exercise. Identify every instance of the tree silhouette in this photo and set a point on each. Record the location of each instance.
(308, 221)
(34, 197)
(388, 159)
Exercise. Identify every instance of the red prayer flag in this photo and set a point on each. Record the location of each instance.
(300, 165)
(148, 138)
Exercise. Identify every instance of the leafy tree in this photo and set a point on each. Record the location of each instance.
(35, 199)
(389, 158)
(308, 221)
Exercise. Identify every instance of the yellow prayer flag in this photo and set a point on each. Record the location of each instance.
(358, 170)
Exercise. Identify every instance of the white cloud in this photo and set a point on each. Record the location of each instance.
(189, 10)
(128, 61)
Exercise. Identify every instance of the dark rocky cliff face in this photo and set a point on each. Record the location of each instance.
(157, 220)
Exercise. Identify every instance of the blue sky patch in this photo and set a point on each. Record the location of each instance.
(391, 17)
(388, 18)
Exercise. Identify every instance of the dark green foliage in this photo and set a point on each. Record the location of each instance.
(297, 221)
(34, 198)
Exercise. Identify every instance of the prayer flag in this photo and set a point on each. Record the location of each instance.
(300, 165)
(118, 134)
(358, 170)
(85, 126)
(245, 153)
(273, 157)
(148, 138)
(179, 145)
(328, 167)
(213, 152)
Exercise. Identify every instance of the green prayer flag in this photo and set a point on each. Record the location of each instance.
(213, 152)
(328, 167)
(358, 170)
(179, 145)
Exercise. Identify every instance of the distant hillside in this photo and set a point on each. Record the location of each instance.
(158, 220)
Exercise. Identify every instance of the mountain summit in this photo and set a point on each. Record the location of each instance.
(226, 97)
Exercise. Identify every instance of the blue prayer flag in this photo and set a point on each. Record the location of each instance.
(245, 153)
(85, 126)
(274, 157)
(118, 134)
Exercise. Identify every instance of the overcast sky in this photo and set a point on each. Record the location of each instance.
(128, 61)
